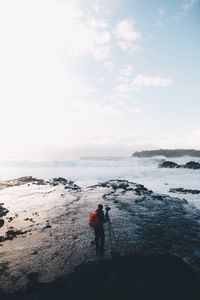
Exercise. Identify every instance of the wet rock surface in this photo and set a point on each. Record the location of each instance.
(189, 165)
(32, 180)
(123, 277)
(11, 234)
(60, 239)
(29, 180)
(3, 212)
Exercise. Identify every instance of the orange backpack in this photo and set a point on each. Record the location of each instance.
(94, 220)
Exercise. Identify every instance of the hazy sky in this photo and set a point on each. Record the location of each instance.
(91, 77)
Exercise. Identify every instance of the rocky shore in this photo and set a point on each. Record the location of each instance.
(45, 236)
(122, 277)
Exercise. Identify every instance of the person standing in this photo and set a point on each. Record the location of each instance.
(97, 220)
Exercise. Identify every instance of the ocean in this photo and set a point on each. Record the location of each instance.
(87, 171)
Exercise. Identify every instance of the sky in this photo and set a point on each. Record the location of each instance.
(98, 77)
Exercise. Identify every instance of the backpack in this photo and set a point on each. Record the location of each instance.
(94, 219)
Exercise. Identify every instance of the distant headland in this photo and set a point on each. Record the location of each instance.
(167, 153)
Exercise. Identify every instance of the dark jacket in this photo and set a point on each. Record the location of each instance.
(101, 217)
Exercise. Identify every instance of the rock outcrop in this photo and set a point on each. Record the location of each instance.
(192, 165)
(69, 184)
(189, 165)
(3, 212)
(168, 164)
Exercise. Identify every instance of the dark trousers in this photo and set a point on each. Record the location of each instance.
(99, 237)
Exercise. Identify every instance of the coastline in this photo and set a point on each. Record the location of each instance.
(51, 236)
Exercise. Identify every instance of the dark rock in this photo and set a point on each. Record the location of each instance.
(184, 191)
(60, 180)
(104, 185)
(29, 219)
(188, 165)
(26, 179)
(22, 180)
(3, 212)
(73, 187)
(130, 189)
(123, 185)
(47, 226)
(141, 190)
(10, 219)
(11, 234)
(192, 165)
(35, 214)
(168, 164)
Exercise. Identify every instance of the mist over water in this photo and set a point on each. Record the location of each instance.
(90, 170)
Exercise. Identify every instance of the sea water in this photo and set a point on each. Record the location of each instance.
(86, 171)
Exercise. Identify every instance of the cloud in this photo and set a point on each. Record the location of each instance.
(127, 36)
(87, 110)
(36, 84)
(125, 73)
(145, 81)
(190, 140)
(101, 53)
(126, 144)
(77, 88)
(123, 88)
(104, 7)
(109, 65)
(187, 5)
(89, 38)
(161, 12)
(97, 23)
(127, 85)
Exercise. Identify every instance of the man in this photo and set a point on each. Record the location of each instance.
(99, 228)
